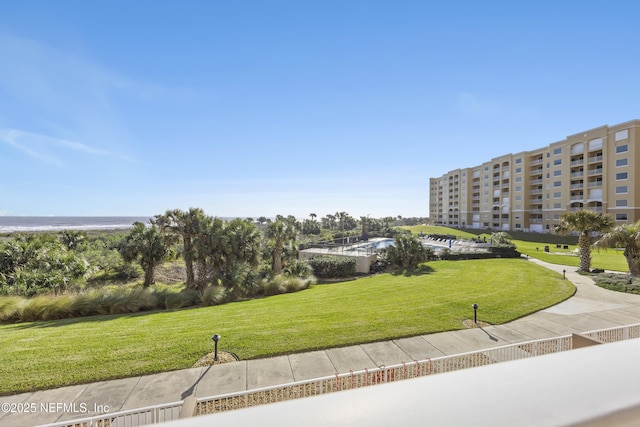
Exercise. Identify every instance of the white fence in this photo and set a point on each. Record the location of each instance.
(351, 380)
(367, 377)
(131, 418)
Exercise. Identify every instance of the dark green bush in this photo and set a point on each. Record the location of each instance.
(504, 251)
(332, 267)
(451, 256)
(618, 282)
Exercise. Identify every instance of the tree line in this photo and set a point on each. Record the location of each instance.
(234, 254)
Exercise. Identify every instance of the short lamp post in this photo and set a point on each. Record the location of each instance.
(215, 339)
(564, 274)
(475, 313)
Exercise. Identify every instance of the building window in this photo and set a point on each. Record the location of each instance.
(556, 216)
(621, 217)
(621, 175)
(518, 226)
(621, 189)
(621, 203)
(623, 134)
(622, 162)
(557, 183)
(557, 206)
(518, 188)
(518, 170)
(622, 148)
(518, 198)
(557, 151)
(595, 144)
(519, 160)
(557, 162)
(557, 173)
(557, 195)
(519, 179)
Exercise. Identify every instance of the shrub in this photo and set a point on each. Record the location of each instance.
(299, 268)
(408, 252)
(35, 308)
(283, 284)
(171, 300)
(504, 250)
(619, 282)
(333, 266)
(10, 308)
(214, 295)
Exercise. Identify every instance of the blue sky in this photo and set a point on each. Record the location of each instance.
(253, 108)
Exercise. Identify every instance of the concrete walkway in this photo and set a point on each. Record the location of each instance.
(590, 308)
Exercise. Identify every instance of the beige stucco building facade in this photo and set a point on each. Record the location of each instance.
(595, 169)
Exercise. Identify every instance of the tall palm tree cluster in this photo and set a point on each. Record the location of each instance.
(214, 251)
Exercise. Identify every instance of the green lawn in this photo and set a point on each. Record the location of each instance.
(605, 259)
(44, 355)
(609, 259)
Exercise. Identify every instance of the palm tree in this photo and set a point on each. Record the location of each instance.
(72, 238)
(204, 244)
(146, 246)
(364, 221)
(628, 237)
(242, 243)
(281, 232)
(407, 252)
(584, 222)
(185, 225)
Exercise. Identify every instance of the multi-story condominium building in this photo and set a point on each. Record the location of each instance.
(598, 170)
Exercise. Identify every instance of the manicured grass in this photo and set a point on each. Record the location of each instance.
(44, 355)
(605, 259)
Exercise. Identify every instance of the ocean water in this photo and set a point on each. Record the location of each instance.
(13, 224)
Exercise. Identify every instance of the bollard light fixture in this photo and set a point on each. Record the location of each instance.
(215, 339)
(475, 309)
(564, 274)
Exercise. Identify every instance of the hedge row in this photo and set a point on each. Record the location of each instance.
(332, 267)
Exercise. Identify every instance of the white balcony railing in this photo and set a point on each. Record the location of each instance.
(351, 380)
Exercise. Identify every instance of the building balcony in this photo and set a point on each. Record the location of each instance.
(595, 159)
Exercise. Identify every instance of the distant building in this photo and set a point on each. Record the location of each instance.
(597, 170)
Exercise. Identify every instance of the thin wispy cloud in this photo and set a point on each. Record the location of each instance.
(45, 148)
(64, 95)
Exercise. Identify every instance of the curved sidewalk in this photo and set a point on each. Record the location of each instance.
(589, 309)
